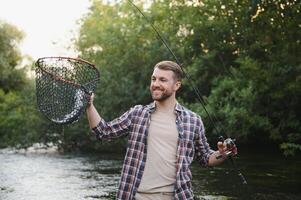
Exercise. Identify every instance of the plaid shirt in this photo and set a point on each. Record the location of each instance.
(192, 143)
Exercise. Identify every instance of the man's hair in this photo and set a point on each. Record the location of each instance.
(172, 66)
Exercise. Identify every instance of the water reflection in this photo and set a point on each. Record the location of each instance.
(55, 177)
(269, 176)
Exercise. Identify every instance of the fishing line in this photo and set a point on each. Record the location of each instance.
(213, 120)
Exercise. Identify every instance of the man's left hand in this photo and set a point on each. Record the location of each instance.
(227, 148)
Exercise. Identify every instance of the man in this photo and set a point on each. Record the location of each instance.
(163, 139)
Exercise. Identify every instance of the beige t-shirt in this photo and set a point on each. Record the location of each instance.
(159, 175)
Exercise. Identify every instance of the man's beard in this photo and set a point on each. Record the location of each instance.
(164, 95)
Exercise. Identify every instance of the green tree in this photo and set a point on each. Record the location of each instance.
(241, 55)
(11, 77)
(20, 124)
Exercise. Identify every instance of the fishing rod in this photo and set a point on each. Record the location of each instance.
(186, 74)
(230, 143)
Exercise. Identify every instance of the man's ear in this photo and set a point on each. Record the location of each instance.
(178, 85)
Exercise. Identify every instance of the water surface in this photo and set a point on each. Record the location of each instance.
(53, 176)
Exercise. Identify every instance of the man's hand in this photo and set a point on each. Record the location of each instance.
(90, 99)
(92, 114)
(226, 148)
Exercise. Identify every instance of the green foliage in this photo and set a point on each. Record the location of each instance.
(241, 55)
(10, 76)
(19, 120)
(250, 69)
(290, 149)
(110, 37)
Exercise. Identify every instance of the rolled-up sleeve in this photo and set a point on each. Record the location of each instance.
(115, 128)
(202, 148)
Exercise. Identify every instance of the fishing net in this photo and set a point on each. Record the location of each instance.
(62, 85)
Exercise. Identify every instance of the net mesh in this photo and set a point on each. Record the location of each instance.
(62, 85)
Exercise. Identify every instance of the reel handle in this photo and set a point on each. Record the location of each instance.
(230, 143)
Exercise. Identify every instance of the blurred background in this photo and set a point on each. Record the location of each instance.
(242, 55)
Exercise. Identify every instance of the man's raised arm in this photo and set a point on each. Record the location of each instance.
(92, 114)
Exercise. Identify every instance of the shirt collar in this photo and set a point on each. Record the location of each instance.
(152, 107)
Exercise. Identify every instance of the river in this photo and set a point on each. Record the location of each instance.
(54, 176)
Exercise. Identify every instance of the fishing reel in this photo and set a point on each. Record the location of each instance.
(231, 151)
(231, 147)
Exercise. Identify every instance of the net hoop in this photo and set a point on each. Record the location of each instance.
(62, 84)
(55, 77)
